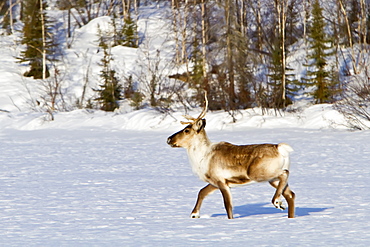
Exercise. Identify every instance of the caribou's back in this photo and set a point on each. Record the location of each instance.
(244, 164)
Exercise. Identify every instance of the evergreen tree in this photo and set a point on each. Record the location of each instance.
(293, 26)
(117, 34)
(110, 90)
(196, 77)
(129, 33)
(275, 79)
(276, 86)
(36, 37)
(317, 74)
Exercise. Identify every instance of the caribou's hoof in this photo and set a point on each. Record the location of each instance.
(194, 216)
(279, 204)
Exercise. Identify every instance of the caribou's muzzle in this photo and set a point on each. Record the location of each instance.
(171, 142)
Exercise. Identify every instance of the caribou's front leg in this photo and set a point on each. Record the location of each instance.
(201, 195)
(226, 194)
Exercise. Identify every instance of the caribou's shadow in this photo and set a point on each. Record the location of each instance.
(260, 209)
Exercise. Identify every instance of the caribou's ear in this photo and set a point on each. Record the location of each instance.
(199, 125)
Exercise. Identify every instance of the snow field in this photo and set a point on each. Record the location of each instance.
(93, 187)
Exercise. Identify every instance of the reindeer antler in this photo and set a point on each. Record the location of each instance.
(201, 115)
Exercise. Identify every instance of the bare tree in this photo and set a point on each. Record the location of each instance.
(281, 10)
(43, 36)
(349, 33)
(154, 77)
(355, 105)
(8, 18)
(51, 98)
(175, 25)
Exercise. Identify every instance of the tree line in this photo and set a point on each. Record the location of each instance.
(239, 51)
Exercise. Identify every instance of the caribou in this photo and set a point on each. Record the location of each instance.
(223, 165)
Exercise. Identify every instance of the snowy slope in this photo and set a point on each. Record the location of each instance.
(314, 117)
(22, 103)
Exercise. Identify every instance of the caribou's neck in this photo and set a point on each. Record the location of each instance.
(200, 143)
(198, 152)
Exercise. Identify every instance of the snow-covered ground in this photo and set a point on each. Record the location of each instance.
(91, 178)
(97, 187)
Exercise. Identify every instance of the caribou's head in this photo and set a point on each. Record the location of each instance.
(194, 127)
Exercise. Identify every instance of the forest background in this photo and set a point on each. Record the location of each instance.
(273, 55)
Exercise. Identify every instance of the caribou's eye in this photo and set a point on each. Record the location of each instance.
(186, 131)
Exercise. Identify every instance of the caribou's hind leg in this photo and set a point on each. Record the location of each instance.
(282, 188)
(289, 197)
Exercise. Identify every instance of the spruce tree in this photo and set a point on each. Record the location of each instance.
(276, 86)
(110, 90)
(275, 78)
(36, 37)
(317, 73)
(129, 33)
(196, 77)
